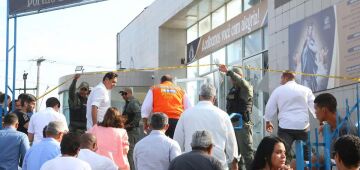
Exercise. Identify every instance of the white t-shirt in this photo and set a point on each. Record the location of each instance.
(41, 119)
(99, 97)
(65, 163)
(96, 161)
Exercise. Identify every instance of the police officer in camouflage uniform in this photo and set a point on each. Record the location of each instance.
(240, 100)
(132, 113)
(77, 105)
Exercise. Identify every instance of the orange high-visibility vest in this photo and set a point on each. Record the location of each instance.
(168, 99)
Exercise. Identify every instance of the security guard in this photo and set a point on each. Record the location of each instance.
(132, 112)
(77, 104)
(166, 98)
(240, 100)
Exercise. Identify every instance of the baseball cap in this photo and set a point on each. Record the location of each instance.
(84, 85)
(123, 92)
(237, 70)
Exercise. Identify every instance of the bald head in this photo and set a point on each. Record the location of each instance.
(166, 77)
(88, 141)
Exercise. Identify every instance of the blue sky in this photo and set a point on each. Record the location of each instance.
(83, 35)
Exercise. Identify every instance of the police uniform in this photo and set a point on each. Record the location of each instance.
(132, 111)
(240, 100)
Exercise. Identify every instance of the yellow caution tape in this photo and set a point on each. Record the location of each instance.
(357, 79)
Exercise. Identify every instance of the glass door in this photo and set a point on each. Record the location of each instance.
(255, 77)
(191, 86)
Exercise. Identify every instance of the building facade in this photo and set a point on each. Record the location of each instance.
(317, 37)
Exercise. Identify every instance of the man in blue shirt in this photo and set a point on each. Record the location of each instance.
(13, 144)
(48, 148)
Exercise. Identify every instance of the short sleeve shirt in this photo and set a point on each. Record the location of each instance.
(99, 97)
(23, 119)
(195, 160)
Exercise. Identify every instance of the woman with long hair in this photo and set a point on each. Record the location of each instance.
(112, 139)
(270, 155)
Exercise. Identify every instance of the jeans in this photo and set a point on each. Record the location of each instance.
(289, 136)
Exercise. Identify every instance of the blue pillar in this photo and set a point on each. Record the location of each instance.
(357, 108)
(327, 142)
(6, 62)
(14, 66)
(300, 164)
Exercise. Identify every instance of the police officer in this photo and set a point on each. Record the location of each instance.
(77, 105)
(132, 113)
(240, 100)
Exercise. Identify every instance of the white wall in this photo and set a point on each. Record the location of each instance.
(140, 39)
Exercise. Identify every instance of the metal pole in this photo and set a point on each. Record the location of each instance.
(327, 145)
(14, 66)
(38, 63)
(357, 108)
(299, 154)
(7, 58)
(25, 77)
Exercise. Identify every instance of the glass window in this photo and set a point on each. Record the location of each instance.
(204, 65)
(233, 8)
(234, 52)
(192, 91)
(253, 43)
(250, 3)
(191, 33)
(266, 39)
(192, 70)
(210, 78)
(255, 79)
(219, 82)
(218, 17)
(218, 57)
(64, 96)
(204, 26)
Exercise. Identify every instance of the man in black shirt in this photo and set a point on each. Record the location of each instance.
(77, 105)
(27, 106)
(132, 114)
(200, 156)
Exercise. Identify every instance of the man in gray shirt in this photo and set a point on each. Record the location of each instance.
(200, 156)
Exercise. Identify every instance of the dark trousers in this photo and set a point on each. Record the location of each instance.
(171, 129)
(289, 136)
(134, 137)
(77, 127)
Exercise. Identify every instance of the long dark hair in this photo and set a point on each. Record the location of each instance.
(264, 152)
(112, 118)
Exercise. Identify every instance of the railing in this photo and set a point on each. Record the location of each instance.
(328, 137)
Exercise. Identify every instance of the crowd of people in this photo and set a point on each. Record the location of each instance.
(178, 135)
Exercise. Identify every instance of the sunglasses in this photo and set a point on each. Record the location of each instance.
(123, 93)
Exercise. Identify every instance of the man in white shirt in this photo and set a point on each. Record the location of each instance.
(70, 146)
(46, 149)
(155, 151)
(39, 120)
(88, 145)
(99, 99)
(292, 102)
(206, 116)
